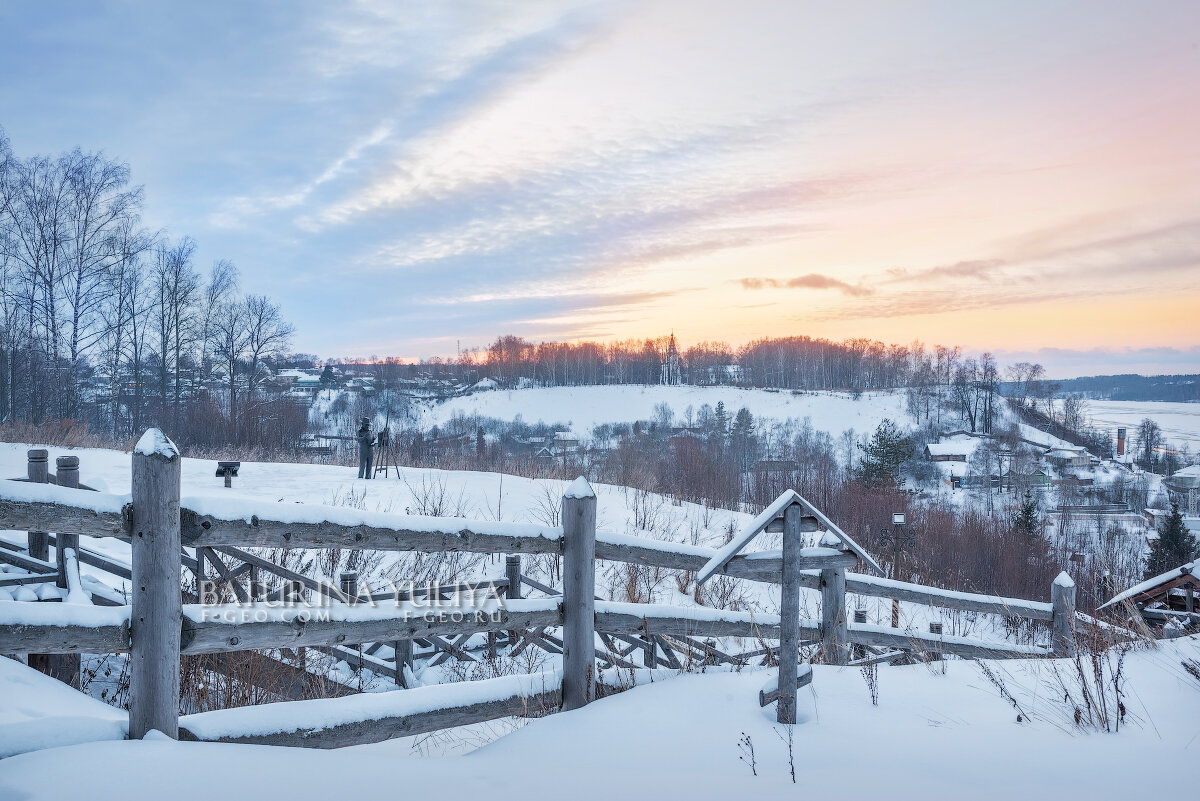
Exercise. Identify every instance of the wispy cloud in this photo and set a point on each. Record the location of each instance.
(809, 281)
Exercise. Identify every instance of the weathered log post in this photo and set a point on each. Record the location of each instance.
(157, 612)
(789, 616)
(835, 634)
(579, 594)
(67, 474)
(650, 653)
(1062, 599)
(66, 667)
(38, 472)
(404, 659)
(512, 571)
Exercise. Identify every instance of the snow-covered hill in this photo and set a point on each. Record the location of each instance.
(581, 409)
(940, 731)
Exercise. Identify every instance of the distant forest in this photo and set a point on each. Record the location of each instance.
(1129, 387)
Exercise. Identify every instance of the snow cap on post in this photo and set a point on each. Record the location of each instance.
(1063, 580)
(155, 443)
(580, 488)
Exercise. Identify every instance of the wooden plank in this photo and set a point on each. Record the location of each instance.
(769, 695)
(442, 534)
(357, 660)
(9, 580)
(73, 639)
(213, 635)
(755, 567)
(884, 637)
(776, 509)
(874, 659)
(948, 599)
(226, 575)
(621, 622)
(66, 518)
(386, 728)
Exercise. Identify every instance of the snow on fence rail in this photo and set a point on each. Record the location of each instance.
(35, 507)
(371, 717)
(156, 627)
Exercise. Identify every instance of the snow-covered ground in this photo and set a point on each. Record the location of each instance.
(939, 731)
(581, 409)
(1180, 422)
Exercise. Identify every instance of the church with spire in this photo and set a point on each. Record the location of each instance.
(671, 374)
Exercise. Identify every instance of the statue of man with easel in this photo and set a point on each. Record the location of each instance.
(366, 447)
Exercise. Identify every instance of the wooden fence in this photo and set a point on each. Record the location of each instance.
(156, 627)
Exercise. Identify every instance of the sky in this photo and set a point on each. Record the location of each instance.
(410, 178)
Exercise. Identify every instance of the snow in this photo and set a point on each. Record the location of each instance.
(42, 614)
(39, 712)
(1064, 580)
(1180, 422)
(580, 488)
(232, 506)
(326, 713)
(1150, 583)
(955, 446)
(100, 502)
(155, 443)
(581, 409)
(938, 731)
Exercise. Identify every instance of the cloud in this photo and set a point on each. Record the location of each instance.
(810, 281)
(976, 268)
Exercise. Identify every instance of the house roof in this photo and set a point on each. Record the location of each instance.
(1165, 581)
(948, 449)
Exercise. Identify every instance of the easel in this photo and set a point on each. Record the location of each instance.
(386, 454)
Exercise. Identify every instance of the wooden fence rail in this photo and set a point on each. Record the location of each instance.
(81, 512)
(156, 628)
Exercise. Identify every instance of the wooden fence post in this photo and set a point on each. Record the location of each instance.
(404, 659)
(1062, 599)
(835, 634)
(157, 613)
(579, 594)
(38, 472)
(66, 667)
(650, 653)
(789, 616)
(512, 570)
(67, 474)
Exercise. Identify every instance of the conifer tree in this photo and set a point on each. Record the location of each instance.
(1175, 546)
(883, 454)
(1026, 519)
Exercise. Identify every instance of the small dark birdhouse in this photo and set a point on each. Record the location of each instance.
(228, 470)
